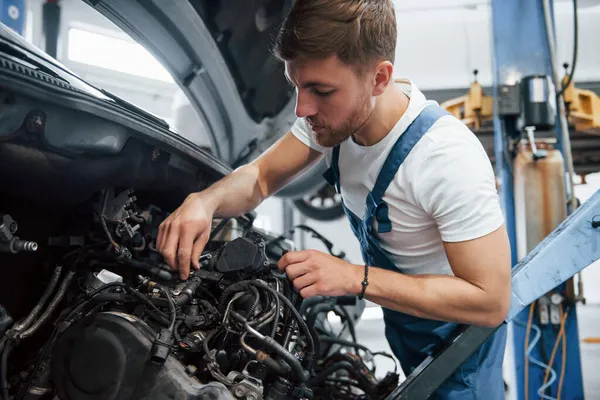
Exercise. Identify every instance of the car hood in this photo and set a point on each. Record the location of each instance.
(219, 53)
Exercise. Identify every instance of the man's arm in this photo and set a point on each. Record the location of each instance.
(245, 188)
(454, 185)
(477, 294)
(184, 234)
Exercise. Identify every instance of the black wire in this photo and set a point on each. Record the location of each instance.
(315, 234)
(346, 315)
(171, 306)
(4, 378)
(575, 49)
(276, 320)
(176, 331)
(345, 343)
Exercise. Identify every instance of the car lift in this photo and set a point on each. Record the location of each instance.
(552, 239)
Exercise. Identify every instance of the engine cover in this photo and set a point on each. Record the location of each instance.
(107, 356)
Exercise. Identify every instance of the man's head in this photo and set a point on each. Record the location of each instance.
(338, 54)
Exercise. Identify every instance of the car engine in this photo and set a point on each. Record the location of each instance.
(90, 310)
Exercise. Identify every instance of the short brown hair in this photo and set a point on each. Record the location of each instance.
(357, 31)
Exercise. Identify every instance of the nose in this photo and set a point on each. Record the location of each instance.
(305, 107)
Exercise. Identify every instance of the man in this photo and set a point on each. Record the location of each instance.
(417, 186)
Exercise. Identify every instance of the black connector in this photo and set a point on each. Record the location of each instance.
(161, 348)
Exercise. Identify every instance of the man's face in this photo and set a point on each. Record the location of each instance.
(331, 97)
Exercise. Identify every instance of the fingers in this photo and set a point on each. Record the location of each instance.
(294, 271)
(161, 233)
(309, 291)
(199, 245)
(304, 281)
(184, 252)
(292, 257)
(169, 247)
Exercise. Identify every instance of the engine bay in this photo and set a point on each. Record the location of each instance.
(90, 310)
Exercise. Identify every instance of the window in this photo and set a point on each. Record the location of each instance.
(114, 54)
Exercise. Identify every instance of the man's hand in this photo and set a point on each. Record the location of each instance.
(183, 235)
(315, 273)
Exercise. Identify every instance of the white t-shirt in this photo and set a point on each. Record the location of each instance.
(444, 191)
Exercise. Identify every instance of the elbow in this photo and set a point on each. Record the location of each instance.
(496, 311)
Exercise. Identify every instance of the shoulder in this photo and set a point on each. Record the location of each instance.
(449, 143)
(452, 179)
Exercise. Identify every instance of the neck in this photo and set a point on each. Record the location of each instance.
(389, 108)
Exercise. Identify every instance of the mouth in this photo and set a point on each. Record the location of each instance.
(317, 128)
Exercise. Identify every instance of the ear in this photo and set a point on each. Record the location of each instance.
(383, 77)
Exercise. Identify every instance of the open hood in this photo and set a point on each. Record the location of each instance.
(219, 53)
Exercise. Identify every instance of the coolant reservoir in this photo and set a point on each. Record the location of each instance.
(540, 196)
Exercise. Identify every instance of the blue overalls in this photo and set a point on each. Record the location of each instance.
(412, 339)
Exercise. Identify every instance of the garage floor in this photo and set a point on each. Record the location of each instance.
(370, 333)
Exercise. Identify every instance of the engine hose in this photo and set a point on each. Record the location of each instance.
(176, 331)
(245, 284)
(312, 318)
(346, 365)
(280, 367)
(102, 297)
(256, 301)
(299, 373)
(171, 306)
(262, 321)
(4, 374)
(19, 326)
(60, 293)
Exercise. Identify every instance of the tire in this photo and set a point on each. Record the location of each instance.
(329, 209)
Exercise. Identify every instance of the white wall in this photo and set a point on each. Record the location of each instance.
(439, 44)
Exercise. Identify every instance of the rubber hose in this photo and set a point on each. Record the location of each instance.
(300, 374)
(4, 374)
(60, 293)
(279, 367)
(19, 326)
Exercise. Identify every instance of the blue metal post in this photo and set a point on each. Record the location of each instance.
(12, 14)
(520, 49)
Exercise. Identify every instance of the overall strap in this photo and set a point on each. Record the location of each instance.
(332, 174)
(405, 143)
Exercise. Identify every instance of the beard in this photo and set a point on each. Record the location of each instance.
(329, 136)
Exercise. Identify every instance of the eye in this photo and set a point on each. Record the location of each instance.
(323, 93)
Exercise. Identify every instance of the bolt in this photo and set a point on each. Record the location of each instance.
(13, 227)
(24, 245)
(251, 396)
(239, 391)
(191, 370)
